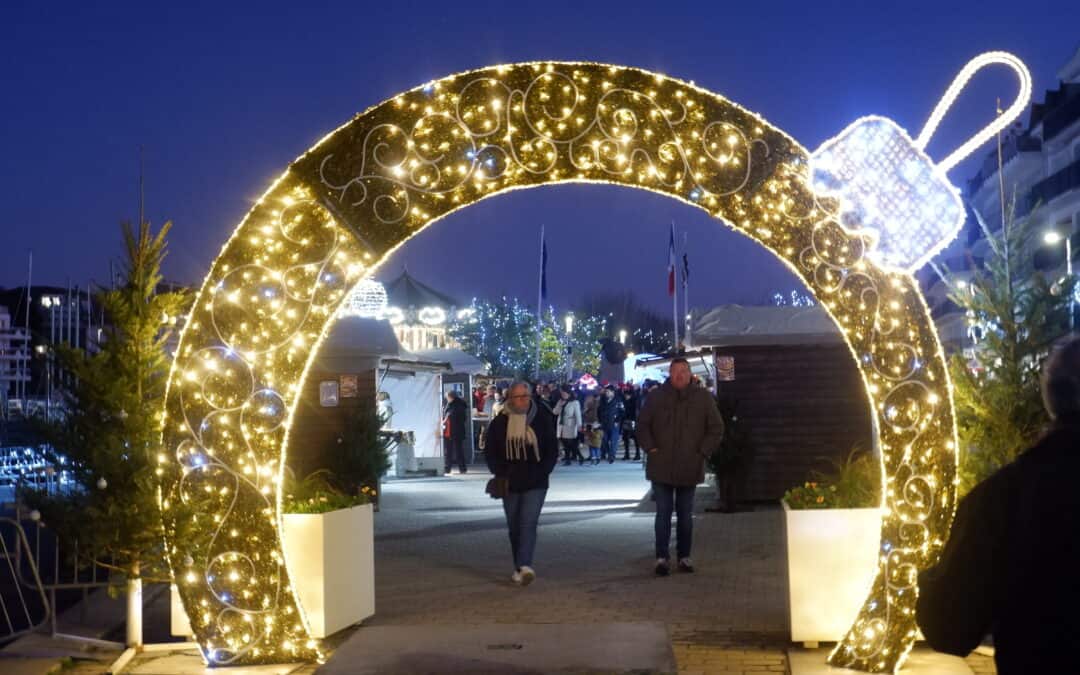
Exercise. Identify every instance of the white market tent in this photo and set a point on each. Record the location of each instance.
(414, 382)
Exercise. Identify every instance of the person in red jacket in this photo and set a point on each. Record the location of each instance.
(1009, 568)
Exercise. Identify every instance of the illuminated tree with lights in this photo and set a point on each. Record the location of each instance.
(1015, 314)
(111, 430)
(502, 333)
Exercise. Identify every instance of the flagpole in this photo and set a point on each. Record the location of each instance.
(674, 290)
(539, 301)
(686, 293)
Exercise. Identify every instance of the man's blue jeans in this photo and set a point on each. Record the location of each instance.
(611, 441)
(681, 499)
(522, 515)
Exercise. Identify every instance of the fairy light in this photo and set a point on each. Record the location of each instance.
(370, 185)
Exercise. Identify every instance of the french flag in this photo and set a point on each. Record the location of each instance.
(671, 263)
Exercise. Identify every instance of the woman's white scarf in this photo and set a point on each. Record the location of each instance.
(520, 437)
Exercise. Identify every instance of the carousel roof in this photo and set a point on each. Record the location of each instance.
(408, 291)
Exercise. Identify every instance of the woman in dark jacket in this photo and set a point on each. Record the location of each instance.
(521, 447)
(1010, 565)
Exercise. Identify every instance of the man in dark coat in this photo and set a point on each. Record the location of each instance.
(611, 417)
(679, 427)
(456, 418)
(1010, 565)
(521, 447)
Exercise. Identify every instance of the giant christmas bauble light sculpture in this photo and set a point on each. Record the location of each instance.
(852, 220)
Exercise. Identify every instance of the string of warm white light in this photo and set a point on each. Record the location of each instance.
(378, 180)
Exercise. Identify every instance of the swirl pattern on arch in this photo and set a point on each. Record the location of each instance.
(339, 210)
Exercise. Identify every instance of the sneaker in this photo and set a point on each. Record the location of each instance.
(527, 575)
(516, 577)
(685, 565)
(663, 568)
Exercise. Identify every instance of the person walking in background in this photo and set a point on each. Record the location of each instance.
(1009, 566)
(500, 403)
(590, 419)
(490, 398)
(455, 419)
(630, 408)
(385, 409)
(522, 449)
(569, 426)
(679, 427)
(611, 417)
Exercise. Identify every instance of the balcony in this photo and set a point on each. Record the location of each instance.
(1061, 117)
(1050, 188)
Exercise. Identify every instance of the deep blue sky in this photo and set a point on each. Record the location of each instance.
(223, 96)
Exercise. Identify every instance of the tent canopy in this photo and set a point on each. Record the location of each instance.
(459, 361)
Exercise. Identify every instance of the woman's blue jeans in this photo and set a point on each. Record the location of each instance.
(681, 499)
(522, 515)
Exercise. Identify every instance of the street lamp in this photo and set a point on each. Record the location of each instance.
(622, 336)
(1053, 237)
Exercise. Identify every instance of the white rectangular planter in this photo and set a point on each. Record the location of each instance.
(831, 560)
(331, 558)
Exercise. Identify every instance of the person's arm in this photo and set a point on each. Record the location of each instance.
(494, 446)
(714, 428)
(955, 605)
(549, 446)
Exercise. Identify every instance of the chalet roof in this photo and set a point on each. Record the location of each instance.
(730, 325)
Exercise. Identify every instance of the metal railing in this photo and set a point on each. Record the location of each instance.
(42, 561)
(20, 615)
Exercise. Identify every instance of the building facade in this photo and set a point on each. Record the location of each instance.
(1038, 176)
(14, 359)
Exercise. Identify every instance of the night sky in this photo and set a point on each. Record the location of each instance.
(223, 96)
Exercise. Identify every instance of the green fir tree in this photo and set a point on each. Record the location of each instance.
(109, 427)
(1015, 314)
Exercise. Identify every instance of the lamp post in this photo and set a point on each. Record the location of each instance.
(622, 336)
(1053, 237)
(569, 348)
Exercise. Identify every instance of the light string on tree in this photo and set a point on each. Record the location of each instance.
(376, 181)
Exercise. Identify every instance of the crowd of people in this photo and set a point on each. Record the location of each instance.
(673, 426)
(592, 423)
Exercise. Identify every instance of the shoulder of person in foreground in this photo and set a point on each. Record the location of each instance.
(955, 609)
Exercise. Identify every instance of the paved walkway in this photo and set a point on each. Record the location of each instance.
(442, 557)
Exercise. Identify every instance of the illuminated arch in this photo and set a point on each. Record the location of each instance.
(345, 205)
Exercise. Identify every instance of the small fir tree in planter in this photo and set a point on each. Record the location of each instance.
(730, 460)
(109, 429)
(854, 483)
(350, 468)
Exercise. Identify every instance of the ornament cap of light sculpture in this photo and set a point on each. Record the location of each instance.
(890, 189)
